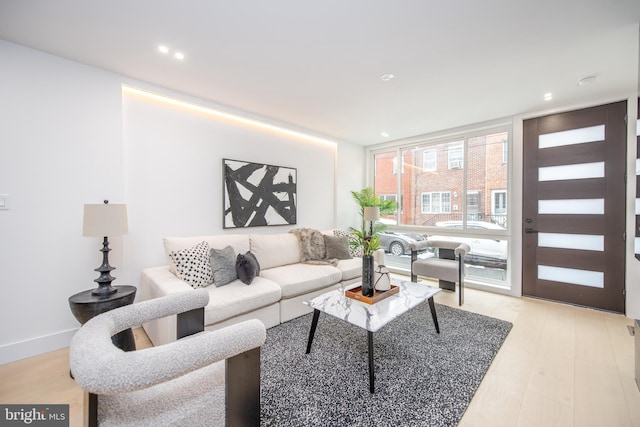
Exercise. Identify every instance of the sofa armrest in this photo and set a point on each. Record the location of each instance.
(157, 282)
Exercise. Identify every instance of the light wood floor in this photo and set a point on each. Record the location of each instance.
(560, 366)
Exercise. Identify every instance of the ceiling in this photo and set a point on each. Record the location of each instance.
(317, 64)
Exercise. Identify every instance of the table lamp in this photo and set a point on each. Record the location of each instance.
(371, 214)
(104, 220)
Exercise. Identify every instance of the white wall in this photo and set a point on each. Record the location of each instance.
(67, 137)
(633, 264)
(60, 139)
(351, 177)
(174, 175)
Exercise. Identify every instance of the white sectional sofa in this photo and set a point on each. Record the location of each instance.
(275, 296)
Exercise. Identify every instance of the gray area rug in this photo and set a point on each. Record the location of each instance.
(422, 378)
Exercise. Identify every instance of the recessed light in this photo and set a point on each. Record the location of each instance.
(178, 55)
(548, 96)
(387, 77)
(384, 134)
(163, 49)
(587, 80)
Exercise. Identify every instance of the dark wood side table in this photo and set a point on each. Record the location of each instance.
(85, 306)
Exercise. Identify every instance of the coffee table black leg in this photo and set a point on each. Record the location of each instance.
(312, 332)
(432, 306)
(371, 372)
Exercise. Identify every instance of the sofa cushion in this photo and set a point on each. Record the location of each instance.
(193, 265)
(274, 250)
(237, 298)
(223, 265)
(239, 243)
(298, 279)
(350, 268)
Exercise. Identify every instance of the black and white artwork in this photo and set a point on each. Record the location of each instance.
(258, 195)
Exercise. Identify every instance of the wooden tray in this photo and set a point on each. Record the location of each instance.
(356, 293)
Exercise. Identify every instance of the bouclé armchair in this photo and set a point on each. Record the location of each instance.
(204, 378)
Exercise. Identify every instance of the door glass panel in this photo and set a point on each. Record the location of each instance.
(637, 206)
(571, 206)
(570, 137)
(577, 171)
(571, 275)
(637, 245)
(587, 242)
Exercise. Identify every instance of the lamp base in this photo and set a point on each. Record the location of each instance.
(104, 290)
(104, 281)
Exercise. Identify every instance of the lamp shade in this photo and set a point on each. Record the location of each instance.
(105, 220)
(371, 213)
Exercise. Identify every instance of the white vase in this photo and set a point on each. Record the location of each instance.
(381, 279)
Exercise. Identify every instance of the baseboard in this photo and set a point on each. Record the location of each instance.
(36, 346)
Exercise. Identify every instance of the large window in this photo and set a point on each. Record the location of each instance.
(464, 199)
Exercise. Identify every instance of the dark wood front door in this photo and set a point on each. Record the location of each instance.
(574, 207)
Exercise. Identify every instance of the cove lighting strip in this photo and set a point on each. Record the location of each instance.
(225, 116)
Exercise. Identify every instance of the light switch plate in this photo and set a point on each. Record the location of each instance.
(4, 202)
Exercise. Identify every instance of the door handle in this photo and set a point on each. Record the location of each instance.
(530, 230)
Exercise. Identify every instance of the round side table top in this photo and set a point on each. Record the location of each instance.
(84, 305)
(85, 297)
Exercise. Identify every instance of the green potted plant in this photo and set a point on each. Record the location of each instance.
(371, 208)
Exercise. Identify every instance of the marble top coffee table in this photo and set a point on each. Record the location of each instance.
(372, 317)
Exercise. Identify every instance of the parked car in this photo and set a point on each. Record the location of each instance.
(398, 243)
(485, 252)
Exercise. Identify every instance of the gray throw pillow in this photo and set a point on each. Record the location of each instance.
(337, 247)
(354, 250)
(223, 265)
(247, 267)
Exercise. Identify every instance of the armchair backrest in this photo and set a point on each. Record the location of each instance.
(101, 368)
(460, 249)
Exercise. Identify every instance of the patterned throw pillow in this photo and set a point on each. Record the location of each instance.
(193, 265)
(355, 252)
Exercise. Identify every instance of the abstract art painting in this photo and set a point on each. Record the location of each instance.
(258, 195)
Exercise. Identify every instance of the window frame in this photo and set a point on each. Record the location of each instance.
(425, 142)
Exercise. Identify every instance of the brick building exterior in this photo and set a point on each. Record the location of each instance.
(432, 181)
